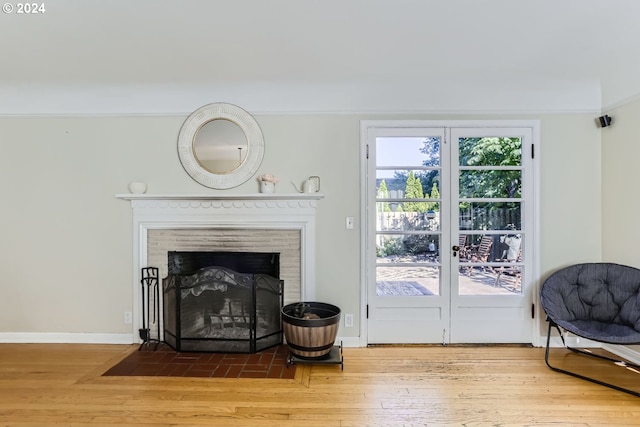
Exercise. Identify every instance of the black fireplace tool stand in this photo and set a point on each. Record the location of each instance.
(149, 282)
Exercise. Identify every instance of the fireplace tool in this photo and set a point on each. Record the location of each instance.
(149, 282)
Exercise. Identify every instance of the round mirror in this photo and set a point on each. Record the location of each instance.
(220, 145)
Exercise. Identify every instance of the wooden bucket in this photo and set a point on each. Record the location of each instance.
(311, 338)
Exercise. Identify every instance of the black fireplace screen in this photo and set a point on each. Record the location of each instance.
(219, 309)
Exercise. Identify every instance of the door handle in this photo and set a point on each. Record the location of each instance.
(455, 250)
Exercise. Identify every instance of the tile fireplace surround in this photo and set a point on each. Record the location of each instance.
(282, 223)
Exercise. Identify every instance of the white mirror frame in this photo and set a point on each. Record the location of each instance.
(235, 114)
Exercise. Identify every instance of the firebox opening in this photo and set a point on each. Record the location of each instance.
(222, 301)
(187, 262)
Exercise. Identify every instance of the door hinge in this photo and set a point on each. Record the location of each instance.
(533, 311)
(533, 153)
(367, 151)
(367, 311)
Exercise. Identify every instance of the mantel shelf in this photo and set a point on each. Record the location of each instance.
(250, 196)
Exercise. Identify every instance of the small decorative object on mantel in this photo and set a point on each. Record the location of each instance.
(267, 183)
(137, 187)
(310, 185)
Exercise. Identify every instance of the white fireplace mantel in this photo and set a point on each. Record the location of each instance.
(224, 196)
(200, 211)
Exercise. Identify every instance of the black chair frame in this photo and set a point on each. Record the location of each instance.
(618, 362)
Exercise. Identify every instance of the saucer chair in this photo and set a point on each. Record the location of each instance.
(596, 301)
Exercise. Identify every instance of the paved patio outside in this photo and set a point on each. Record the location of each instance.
(473, 281)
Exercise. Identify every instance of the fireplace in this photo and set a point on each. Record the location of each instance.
(283, 223)
(222, 301)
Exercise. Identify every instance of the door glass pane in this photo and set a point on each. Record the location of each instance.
(490, 183)
(393, 186)
(400, 220)
(407, 281)
(491, 264)
(501, 281)
(490, 216)
(407, 151)
(490, 151)
(408, 248)
(408, 265)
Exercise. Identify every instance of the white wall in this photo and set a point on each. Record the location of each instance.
(66, 248)
(621, 175)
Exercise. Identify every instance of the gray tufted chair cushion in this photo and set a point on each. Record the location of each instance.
(598, 301)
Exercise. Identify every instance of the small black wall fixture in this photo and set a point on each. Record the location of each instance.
(605, 121)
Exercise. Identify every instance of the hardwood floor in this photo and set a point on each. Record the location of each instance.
(61, 385)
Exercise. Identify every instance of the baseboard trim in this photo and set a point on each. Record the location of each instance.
(64, 338)
(624, 352)
(349, 341)
(571, 341)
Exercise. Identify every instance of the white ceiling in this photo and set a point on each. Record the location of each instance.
(172, 56)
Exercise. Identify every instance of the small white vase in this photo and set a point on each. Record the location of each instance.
(267, 187)
(137, 187)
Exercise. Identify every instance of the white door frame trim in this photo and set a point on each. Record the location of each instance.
(365, 125)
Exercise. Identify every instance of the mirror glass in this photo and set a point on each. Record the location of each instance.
(220, 146)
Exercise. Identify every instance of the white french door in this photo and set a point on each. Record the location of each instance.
(449, 241)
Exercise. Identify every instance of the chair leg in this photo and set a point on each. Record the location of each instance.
(498, 277)
(583, 377)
